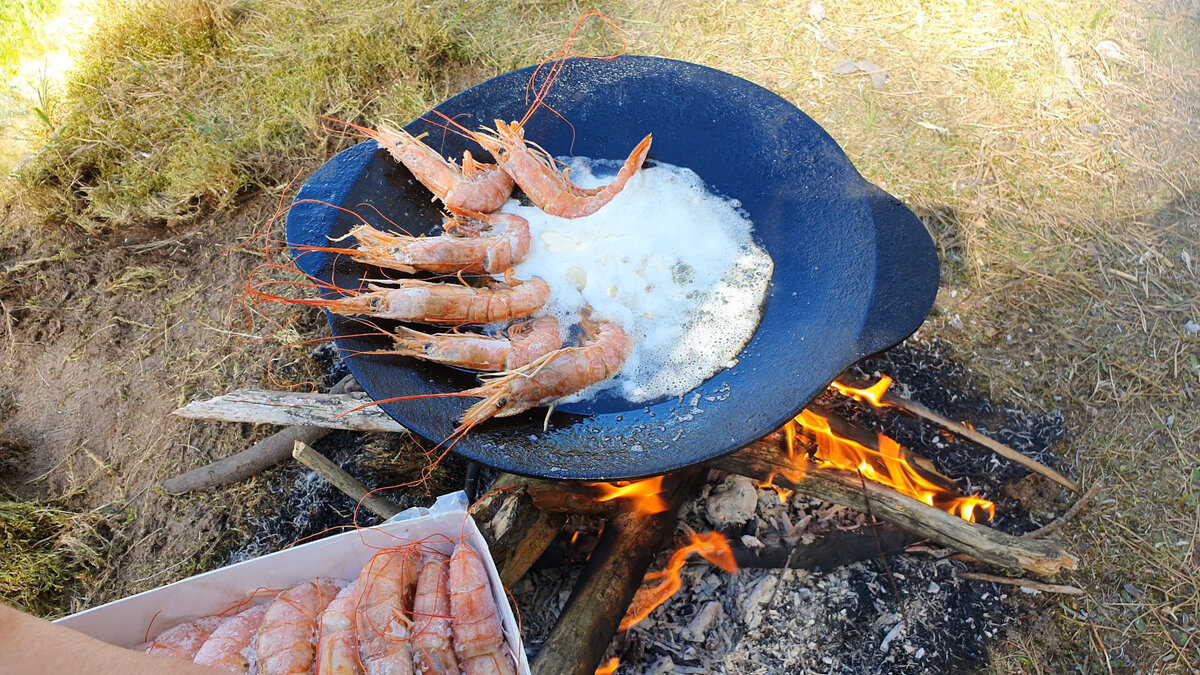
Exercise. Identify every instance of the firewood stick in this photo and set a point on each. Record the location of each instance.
(757, 460)
(516, 530)
(258, 406)
(975, 437)
(612, 576)
(1023, 583)
(1057, 524)
(842, 487)
(343, 481)
(257, 458)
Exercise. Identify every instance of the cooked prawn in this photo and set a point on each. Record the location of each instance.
(453, 304)
(285, 639)
(521, 343)
(553, 376)
(184, 640)
(433, 651)
(506, 246)
(478, 634)
(477, 187)
(387, 585)
(546, 186)
(337, 637)
(226, 647)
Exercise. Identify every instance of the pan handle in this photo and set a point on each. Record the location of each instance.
(906, 275)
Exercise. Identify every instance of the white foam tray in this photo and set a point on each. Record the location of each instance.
(127, 622)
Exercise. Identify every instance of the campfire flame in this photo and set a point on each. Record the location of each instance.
(872, 394)
(891, 465)
(645, 494)
(784, 493)
(711, 546)
(608, 667)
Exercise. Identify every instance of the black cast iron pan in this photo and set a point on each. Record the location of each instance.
(855, 271)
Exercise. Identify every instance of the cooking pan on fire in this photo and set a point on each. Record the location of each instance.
(855, 272)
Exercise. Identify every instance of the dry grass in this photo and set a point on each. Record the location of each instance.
(1059, 179)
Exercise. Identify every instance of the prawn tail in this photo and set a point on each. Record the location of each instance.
(636, 159)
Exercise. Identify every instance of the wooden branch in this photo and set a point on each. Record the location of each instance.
(257, 406)
(840, 487)
(1023, 583)
(1057, 524)
(830, 550)
(975, 437)
(516, 530)
(257, 458)
(608, 583)
(379, 505)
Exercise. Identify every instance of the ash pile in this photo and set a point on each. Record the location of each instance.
(825, 589)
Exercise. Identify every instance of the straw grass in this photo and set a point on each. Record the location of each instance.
(1058, 176)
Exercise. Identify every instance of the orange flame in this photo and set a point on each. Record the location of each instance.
(644, 493)
(784, 493)
(711, 546)
(891, 465)
(872, 394)
(608, 667)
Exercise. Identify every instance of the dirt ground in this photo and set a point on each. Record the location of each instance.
(101, 345)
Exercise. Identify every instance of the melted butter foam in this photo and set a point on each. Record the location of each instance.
(671, 262)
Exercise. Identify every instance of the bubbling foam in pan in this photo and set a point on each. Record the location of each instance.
(671, 262)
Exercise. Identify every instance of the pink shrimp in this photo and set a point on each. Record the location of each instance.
(285, 638)
(478, 634)
(453, 304)
(337, 641)
(387, 585)
(184, 640)
(226, 647)
(433, 651)
(523, 342)
(547, 187)
(507, 246)
(477, 187)
(557, 374)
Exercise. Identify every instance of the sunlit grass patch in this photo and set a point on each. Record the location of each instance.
(47, 551)
(177, 108)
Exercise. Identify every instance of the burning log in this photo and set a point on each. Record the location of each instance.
(609, 582)
(759, 460)
(841, 487)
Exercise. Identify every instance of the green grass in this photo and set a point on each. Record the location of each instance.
(47, 551)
